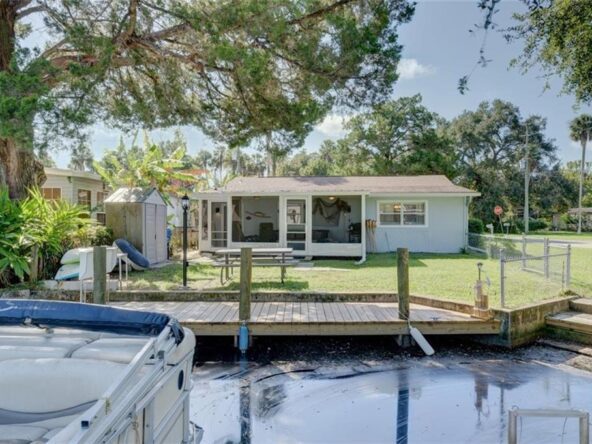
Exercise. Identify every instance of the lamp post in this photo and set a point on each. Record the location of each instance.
(185, 206)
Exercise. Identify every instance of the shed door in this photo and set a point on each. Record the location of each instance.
(161, 224)
(150, 243)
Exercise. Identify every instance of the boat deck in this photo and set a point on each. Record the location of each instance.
(316, 318)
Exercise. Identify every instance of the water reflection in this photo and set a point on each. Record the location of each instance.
(420, 401)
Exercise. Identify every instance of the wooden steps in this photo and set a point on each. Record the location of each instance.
(572, 320)
(582, 305)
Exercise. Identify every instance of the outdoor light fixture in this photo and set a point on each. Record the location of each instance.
(185, 206)
(185, 202)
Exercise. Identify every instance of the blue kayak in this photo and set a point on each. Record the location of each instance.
(133, 254)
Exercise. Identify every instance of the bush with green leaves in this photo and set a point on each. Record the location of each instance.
(533, 225)
(476, 225)
(94, 235)
(13, 257)
(52, 227)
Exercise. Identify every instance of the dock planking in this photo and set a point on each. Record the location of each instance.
(316, 319)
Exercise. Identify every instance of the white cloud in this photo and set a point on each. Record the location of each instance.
(332, 126)
(411, 68)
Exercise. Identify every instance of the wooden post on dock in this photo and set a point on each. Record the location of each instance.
(246, 267)
(403, 282)
(99, 275)
(34, 265)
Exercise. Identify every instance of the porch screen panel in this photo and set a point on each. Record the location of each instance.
(296, 224)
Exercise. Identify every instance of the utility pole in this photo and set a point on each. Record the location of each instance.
(526, 182)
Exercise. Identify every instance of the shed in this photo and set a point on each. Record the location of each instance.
(140, 216)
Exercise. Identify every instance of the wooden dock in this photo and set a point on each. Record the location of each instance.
(316, 318)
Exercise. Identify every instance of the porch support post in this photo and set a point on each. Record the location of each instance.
(199, 224)
(229, 216)
(363, 227)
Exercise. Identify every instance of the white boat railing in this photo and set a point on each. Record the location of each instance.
(133, 391)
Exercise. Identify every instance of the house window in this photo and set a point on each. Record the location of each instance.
(101, 218)
(51, 193)
(395, 213)
(84, 198)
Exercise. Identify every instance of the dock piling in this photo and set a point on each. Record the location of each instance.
(403, 282)
(99, 275)
(244, 307)
(403, 292)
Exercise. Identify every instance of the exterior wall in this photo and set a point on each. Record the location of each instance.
(70, 186)
(127, 222)
(445, 230)
(93, 186)
(62, 182)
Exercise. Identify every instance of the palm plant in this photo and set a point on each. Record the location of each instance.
(581, 131)
(145, 167)
(51, 227)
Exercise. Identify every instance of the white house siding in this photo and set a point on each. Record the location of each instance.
(61, 182)
(444, 233)
(70, 186)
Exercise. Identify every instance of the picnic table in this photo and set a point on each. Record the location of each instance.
(262, 257)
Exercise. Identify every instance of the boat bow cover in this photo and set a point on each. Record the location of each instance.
(86, 316)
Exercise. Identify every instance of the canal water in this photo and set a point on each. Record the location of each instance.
(369, 391)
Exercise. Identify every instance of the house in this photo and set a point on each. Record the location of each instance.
(79, 187)
(586, 218)
(336, 216)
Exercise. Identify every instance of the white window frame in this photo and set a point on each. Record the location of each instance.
(401, 201)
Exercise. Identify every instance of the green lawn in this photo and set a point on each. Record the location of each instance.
(449, 276)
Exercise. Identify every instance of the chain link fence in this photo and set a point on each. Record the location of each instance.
(528, 269)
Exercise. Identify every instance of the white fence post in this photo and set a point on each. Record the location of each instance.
(568, 267)
(502, 278)
(546, 257)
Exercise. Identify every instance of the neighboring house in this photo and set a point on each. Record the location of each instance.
(586, 218)
(79, 187)
(336, 216)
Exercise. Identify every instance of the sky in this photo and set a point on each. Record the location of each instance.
(438, 49)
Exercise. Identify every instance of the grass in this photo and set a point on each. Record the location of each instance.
(448, 276)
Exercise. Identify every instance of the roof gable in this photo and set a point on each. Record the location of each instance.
(136, 195)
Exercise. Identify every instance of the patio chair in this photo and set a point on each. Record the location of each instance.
(267, 233)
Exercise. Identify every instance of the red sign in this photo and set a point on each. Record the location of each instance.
(498, 210)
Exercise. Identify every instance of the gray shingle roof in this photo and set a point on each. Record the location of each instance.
(345, 184)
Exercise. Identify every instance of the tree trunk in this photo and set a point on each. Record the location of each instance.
(581, 190)
(19, 169)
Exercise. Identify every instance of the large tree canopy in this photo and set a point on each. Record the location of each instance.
(235, 69)
(492, 143)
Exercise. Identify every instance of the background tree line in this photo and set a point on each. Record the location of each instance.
(482, 149)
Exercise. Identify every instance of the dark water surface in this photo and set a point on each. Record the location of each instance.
(369, 391)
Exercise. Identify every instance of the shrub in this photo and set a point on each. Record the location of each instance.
(476, 225)
(13, 257)
(52, 227)
(533, 225)
(93, 235)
